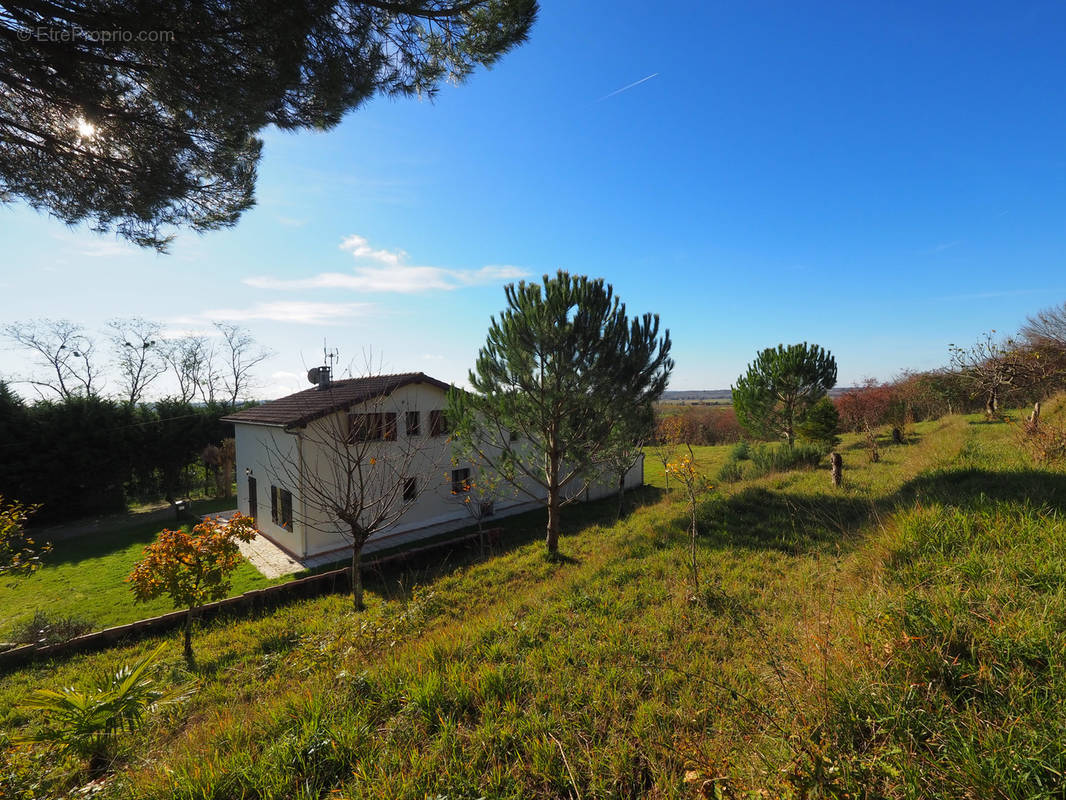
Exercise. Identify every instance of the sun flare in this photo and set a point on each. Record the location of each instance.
(86, 130)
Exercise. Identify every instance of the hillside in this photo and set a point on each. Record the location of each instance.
(898, 637)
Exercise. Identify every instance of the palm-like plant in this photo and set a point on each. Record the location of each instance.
(86, 723)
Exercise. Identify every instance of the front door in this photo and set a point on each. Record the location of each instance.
(252, 498)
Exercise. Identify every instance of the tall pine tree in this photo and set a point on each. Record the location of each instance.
(561, 368)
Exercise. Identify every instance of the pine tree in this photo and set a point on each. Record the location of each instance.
(781, 384)
(140, 117)
(561, 368)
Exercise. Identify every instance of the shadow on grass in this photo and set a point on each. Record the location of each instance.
(395, 580)
(761, 519)
(101, 544)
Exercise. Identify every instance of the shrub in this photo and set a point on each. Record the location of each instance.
(780, 458)
(1045, 442)
(87, 723)
(741, 452)
(730, 471)
(698, 426)
(44, 629)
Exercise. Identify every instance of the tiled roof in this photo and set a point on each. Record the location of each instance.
(298, 409)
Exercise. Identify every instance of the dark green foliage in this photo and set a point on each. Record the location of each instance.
(562, 366)
(730, 471)
(821, 424)
(741, 451)
(13, 423)
(781, 384)
(176, 110)
(767, 458)
(89, 455)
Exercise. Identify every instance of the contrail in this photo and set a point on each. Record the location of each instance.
(626, 88)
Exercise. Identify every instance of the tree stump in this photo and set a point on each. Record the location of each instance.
(836, 467)
(897, 435)
(1034, 419)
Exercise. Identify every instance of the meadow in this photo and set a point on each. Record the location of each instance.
(899, 636)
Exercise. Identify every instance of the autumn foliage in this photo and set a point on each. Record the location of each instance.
(192, 567)
(18, 553)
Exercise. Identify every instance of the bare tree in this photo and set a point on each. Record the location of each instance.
(360, 471)
(191, 360)
(136, 345)
(1045, 334)
(993, 367)
(240, 355)
(1047, 329)
(63, 351)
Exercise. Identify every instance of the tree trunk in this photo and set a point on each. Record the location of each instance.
(190, 659)
(836, 468)
(621, 495)
(357, 576)
(551, 538)
(992, 403)
(695, 571)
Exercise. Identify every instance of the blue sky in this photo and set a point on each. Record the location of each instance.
(882, 179)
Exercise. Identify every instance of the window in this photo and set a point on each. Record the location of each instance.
(460, 480)
(281, 507)
(372, 427)
(389, 427)
(487, 509)
(438, 423)
(410, 489)
(514, 436)
(414, 423)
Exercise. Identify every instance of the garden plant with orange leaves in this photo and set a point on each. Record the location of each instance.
(192, 567)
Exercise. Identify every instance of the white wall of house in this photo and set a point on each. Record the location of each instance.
(279, 458)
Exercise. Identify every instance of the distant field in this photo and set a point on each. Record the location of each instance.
(716, 397)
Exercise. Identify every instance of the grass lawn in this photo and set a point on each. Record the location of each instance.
(85, 577)
(900, 636)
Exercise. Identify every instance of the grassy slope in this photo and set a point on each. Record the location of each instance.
(839, 644)
(85, 577)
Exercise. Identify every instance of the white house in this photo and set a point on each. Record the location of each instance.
(286, 444)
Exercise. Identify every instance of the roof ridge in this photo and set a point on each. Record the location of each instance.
(306, 405)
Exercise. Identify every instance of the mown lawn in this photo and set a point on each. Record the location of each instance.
(85, 576)
(898, 637)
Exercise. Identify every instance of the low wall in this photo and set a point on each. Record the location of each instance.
(335, 581)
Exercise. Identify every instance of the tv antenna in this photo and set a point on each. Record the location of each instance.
(329, 356)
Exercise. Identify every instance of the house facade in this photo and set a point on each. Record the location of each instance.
(390, 432)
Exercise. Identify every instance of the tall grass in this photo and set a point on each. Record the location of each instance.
(897, 637)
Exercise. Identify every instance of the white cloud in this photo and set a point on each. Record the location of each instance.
(299, 312)
(292, 222)
(390, 274)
